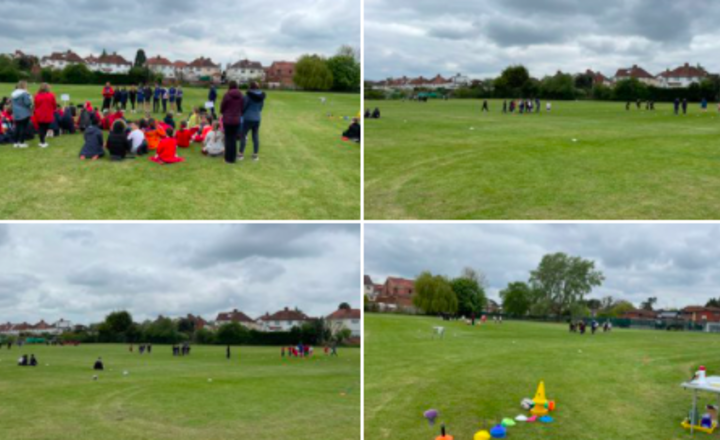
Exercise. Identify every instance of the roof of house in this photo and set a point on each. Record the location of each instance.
(400, 282)
(91, 59)
(246, 64)
(234, 316)
(698, 309)
(686, 71)
(42, 325)
(69, 56)
(367, 280)
(598, 77)
(203, 62)
(286, 315)
(113, 58)
(633, 72)
(159, 61)
(344, 314)
(282, 65)
(438, 80)
(180, 64)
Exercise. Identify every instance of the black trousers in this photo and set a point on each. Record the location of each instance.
(164, 105)
(21, 127)
(156, 105)
(106, 103)
(179, 105)
(247, 127)
(42, 132)
(231, 149)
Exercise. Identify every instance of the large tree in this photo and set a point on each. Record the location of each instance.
(648, 304)
(511, 82)
(434, 294)
(140, 58)
(562, 280)
(516, 298)
(345, 72)
(469, 289)
(312, 73)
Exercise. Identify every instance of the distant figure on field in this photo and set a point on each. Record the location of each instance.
(99, 366)
(627, 106)
(252, 116)
(33, 361)
(677, 106)
(685, 106)
(485, 107)
(353, 132)
(108, 93)
(376, 113)
(505, 106)
(227, 352)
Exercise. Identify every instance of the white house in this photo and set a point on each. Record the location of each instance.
(236, 316)
(345, 318)
(203, 69)
(683, 76)
(109, 63)
(283, 321)
(245, 71)
(63, 325)
(60, 60)
(162, 66)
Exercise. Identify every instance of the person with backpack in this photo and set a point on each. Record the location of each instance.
(45, 106)
(21, 111)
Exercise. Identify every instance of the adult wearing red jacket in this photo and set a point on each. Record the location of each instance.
(45, 106)
(108, 94)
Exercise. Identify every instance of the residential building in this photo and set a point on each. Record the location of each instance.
(397, 294)
(640, 314)
(345, 318)
(599, 78)
(283, 321)
(245, 71)
(236, 316)
(203, 69)
(199, 322)
(163, 66)
(369, 286)
(683, 76)
(700, 314)
(109, 63)
(281, 74)
(60, 60)
(638, 73)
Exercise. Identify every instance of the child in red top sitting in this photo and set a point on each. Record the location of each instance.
(167, 150)
(107, 121)
(184, 135)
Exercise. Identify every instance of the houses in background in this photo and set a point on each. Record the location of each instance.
(346, 319)
(436, 83)
(41, 328)
(280, 74)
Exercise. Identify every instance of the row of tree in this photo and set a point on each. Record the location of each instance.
(438, 294)
(515, 82)
(340, 73)
(119, 327)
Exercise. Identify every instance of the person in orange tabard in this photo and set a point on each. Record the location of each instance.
(154, 134)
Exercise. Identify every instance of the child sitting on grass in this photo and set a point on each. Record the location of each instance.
(185, 134)
(154, 134)
(194, 120)
(169, 120)
(214, 142)
(167, 150)
(93, 147)
(204, 129)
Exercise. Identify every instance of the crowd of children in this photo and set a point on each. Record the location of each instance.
(22, 118)
(581, 327)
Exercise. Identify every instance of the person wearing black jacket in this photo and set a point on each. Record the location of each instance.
(232, 111)
(118, 144)
(353, 132)
(133, 97)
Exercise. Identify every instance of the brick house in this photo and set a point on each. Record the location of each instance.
(280, 74)
(397, 294)
(638, 73)
(109, 63)
(60, 60)
(700, 314)
(236, 316)
(640, 314)
(162, 66)
(345, 318)
(203, 69)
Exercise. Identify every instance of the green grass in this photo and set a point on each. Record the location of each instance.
(423, 161)
(258, 396)
(305, 173)
(623, 385)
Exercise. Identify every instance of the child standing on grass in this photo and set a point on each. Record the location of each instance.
(179, 99)
(124, 95)
(172, 93)
(156, 98)
(165, 96)
(45, 106)
(133, 97)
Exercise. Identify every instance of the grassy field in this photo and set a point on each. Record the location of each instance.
(305, 171)
(622, 386)
(446, 160)
(258, 395)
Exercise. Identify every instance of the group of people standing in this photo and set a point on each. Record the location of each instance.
(581, 327)
(143, 96)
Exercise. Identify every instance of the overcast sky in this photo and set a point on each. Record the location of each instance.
(481, 37)
(680, 264)
(83, 272)
(226, 31)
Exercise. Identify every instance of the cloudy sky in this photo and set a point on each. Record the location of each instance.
(83, 272)
(481, 37)
(680, 264)
(226, 31)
